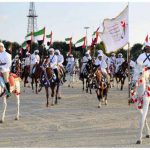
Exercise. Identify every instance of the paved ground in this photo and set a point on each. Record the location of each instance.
(74, 122)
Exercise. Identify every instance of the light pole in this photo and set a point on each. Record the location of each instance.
(86, 28)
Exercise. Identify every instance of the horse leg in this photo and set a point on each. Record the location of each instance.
(36, 84)
(87, 86)
(117, 83)
(32, 82)
(106, 91)
(122, 83)
(47, 96)
(52, 95)
(143, 112)
(98, 97)
(18, 106)
(4, 111)
(56, 97)
(83, 84)
(69, 80)
(147, 129)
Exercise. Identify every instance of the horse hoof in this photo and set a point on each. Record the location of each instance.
(138, 142)
(1, 121)
(16, 118)
(68, 85)
(52, 104)
(59, 97)
(147, 136)
(72, 86)
(46, 105)
(99, 106)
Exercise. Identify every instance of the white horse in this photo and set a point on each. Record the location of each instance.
(140, 94)
(16, 91)
(73, 73)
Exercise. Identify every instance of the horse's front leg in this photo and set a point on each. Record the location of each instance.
(143, 112)
(47, 96)
(36, 85)
(52, 95)
(32, 82)
(122, 83)
(83, 84)
(4, 111)
(18, 106)
(87, 85)
(56, 97)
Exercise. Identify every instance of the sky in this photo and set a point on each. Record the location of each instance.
(69, 19)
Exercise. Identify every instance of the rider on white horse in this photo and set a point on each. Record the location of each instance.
(70, 62)
(60, 59)
(5, 64)
(84, 62)
(35, 59)
(119, 61)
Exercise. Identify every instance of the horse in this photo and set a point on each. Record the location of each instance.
(48, 81)
(120, 76)
(101, 87)
(112, 75)
(25, 74)
(15, 89)
(71, 71)
(85, 75)
(140, 94)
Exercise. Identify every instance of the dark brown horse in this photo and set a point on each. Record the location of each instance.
(25, 74)
(121, 75)
(101, 87)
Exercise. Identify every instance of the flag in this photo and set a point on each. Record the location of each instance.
(24, 44)
(28, 37)
(146, 39)
(40, 35)
(68, 40)
(81, 42)
(95, 37)
(116, 31)
(10, 47)
(50, 36)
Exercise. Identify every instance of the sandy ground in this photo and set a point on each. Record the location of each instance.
(74, 122)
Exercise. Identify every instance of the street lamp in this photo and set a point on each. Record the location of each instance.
(86, 28)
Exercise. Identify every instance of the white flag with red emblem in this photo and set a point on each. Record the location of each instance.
(116, 31)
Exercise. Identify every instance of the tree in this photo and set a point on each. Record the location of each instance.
(136, 50)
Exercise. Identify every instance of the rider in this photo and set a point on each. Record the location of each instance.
(60, 59)
(101, 64)
(145, 56)
(70, 62)
(112, 59)
(5, 64)
(119, 62)
(35, 60)
(53, 62)
(84, 62)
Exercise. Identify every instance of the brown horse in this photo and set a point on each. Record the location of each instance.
(54, 86)
(120, 76)
(25, 74)
(101, 87)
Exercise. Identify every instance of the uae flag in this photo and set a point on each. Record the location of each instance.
(49, 36)
(39, 36)
(96, 37)
(69, 41)
(24, 45)
(80, 45)
(81, 42)
(10, 48)
(28, 38)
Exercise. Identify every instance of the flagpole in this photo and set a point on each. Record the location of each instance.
(128, 59)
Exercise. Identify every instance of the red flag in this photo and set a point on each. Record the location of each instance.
(70, 44)
(51, 39)
(83, 46)
(146, 39)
